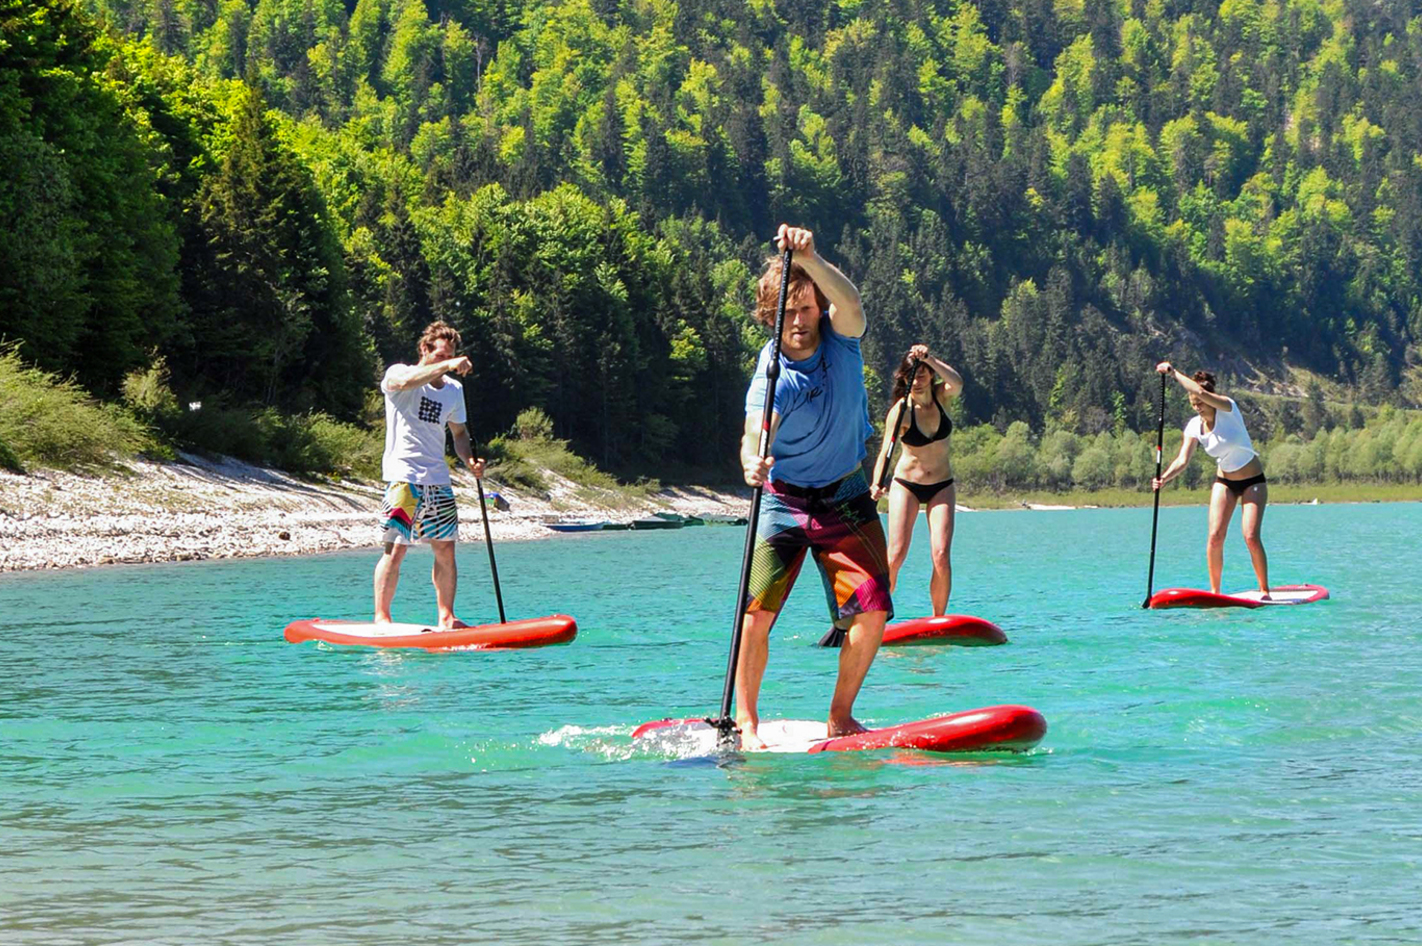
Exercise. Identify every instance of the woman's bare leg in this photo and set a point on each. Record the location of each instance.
(1255, 499)
(1222, 504)
(942, 511)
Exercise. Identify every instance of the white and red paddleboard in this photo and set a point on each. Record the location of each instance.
(990, 729)
(1198, 598)
(533, 632)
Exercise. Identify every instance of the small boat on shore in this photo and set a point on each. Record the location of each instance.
(577, 525)
(656, 522)
(722, 519)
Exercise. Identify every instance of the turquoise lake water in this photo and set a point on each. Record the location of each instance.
(173, 772)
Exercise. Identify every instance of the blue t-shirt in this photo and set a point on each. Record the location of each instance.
(823, 408)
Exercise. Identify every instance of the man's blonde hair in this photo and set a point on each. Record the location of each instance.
(437, 332)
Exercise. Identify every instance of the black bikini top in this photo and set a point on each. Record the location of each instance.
(915, 437)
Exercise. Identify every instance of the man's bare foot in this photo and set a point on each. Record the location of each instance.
(848, 726)
(750, 739)
(382, 619)
(452, 624)
(1264, 595)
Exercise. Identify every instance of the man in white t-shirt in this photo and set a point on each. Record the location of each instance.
(420, 401)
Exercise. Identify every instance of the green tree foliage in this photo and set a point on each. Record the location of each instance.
(1053, 196)
(87, 249)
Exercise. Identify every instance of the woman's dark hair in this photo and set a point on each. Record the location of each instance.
(903, 377)
(1205, 380)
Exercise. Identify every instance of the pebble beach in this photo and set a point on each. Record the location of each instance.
(204, 508)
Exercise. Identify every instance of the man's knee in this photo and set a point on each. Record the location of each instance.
(757, 625)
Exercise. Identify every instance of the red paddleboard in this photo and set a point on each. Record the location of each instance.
(533, 632)
(990, 729)
(962, 629)
(1197, 598)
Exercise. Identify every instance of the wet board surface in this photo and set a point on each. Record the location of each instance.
(531, 632)
(991, 728)
(1199, 598)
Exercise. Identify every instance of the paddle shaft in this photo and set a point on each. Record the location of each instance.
(907, 405)
(725, 726)
(1155, 513)
(488, 538)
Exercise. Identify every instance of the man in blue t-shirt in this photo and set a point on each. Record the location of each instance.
(816, 498)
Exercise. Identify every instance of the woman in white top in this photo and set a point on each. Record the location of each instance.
(1220, 430)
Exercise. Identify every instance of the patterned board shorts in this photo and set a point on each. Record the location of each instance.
(415, 513)
(837, 524)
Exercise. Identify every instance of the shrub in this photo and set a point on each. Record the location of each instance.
(532, 424)
(50, 421)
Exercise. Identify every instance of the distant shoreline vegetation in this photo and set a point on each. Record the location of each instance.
(48, 421)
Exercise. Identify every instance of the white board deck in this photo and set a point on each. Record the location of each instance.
(374, 631)
(1278, 596)
(698, 738)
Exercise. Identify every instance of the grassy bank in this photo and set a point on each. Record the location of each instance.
(1278, 493)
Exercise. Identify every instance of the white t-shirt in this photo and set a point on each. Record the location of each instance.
(414, 430)
(1228, 442)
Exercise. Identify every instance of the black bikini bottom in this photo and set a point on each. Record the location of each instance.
(924, 491)
(1239, 486)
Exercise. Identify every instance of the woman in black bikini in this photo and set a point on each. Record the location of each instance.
(924, 475)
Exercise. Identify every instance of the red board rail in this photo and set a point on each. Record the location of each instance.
(963, 630)
(531, 632)
(1199, 598)
(1009, 727)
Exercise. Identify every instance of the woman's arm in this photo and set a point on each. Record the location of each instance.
(1187, 450)
(1218, 401)
(892, 429)
(952, 381)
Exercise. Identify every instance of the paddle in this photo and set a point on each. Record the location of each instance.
(1155, 515)
(725, 726)
(488, 536)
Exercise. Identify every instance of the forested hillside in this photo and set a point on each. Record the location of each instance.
(274, 195)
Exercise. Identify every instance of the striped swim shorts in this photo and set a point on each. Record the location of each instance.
(837, 524)
(415, 513)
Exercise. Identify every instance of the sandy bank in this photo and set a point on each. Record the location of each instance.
(203, 508)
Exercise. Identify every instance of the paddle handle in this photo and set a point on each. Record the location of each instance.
(1155, 513)
(725, 726)
(488, 538)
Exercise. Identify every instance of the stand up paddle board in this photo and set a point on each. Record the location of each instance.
(961, 629)
(990, 729)
(1198, 598)
(533, 632)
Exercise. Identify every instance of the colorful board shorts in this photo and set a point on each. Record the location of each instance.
(837, 524)
(415, 513)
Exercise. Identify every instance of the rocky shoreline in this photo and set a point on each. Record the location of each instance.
(202, 508)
